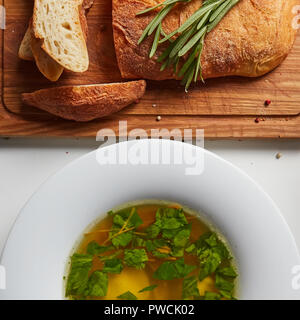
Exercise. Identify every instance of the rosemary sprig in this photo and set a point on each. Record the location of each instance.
(189, 43)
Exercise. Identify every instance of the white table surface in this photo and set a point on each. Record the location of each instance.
(26, 163)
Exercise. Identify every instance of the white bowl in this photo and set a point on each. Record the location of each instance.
(43, 236)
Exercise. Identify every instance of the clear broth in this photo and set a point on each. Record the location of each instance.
(134, 280)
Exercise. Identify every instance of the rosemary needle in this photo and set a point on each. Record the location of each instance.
(155, 41)
(186, 49)
(230, 5)
(192, 42)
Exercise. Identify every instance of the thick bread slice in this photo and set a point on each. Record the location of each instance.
(86, 102)
(251, 40)
(25, 52)
(51, 69)
(57, 24)
(47, 66)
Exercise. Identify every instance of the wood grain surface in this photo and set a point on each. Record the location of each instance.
(224, 108)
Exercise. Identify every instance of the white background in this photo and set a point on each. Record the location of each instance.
(26, 163)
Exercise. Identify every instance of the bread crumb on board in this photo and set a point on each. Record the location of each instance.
(278, 155)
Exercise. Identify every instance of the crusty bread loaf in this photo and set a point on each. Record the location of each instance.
(87, 102)
(25, 52)
(252, 39)
(57, 24)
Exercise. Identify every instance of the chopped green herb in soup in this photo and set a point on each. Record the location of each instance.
(151, 252)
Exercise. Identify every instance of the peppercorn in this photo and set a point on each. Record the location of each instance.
(267, 102)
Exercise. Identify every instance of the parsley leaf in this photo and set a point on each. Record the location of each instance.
(209, 264)
(182, 237)
(173, 270)
(121, 240)
(97, 285)
(79, 274)
(223, 284)
(127, 296)
(94, 248)
(135, 258)
(191, 248)
(160, 255)
(113, 266)
(150, 245)
(228, 272)
(190, 288)
(129, 216)
(138, 242)
(124, 222)
(111, 256)
(211, 252)
(149, 288)
(170, 221)
(152, 231)
(212, 296)
(177, 252)
(170, 218)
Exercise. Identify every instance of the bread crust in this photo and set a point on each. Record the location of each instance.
(88, 102)
(25, 52)
(251, 40)
(47, 66)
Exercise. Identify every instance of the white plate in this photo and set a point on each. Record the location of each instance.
(44, 234)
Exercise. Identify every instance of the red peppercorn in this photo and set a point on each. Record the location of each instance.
(257, 120)
(267, 102)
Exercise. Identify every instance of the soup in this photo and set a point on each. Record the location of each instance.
(150, 251)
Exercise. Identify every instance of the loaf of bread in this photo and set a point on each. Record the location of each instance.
(57, 24)
(86, 102)
(251, 40)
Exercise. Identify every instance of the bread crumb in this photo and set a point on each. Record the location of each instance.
(158, 118)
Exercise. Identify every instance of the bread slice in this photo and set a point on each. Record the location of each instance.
(51, 69)
(251, 40)
(47, 66)
(25, 52)
(86, 102)
(57, 24)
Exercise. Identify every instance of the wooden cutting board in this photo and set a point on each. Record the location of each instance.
(224, 108)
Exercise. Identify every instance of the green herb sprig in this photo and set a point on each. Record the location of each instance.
(190, 36)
